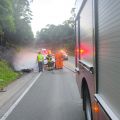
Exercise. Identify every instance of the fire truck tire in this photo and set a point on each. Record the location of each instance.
(87, 105)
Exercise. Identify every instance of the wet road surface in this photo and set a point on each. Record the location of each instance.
(54, 96)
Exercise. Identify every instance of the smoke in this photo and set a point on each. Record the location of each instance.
(25, 59)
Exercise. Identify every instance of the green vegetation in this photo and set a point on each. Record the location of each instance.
(59, 36)
(15, 19)
(7, 75)
(15, 31)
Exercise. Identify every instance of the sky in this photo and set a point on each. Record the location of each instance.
(50, 12)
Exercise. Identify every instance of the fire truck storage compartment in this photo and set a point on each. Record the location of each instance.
(109, 53)
(86, 33)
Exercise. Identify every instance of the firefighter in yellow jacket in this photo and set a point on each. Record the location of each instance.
(50, 62)
(40, 59)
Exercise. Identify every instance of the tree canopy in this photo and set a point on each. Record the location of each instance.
(58, 35)
(6, 16)
(15, 19)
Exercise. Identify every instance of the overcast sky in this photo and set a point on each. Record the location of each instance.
(50, 12)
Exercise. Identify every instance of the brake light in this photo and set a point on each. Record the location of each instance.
(85, 50)
(82, 51)
(76, 50)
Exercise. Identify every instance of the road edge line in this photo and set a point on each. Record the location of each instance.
(69, 69)
(19, 99)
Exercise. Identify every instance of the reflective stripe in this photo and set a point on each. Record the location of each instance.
(49, 58)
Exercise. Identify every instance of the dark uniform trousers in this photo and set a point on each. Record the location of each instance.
(40, 65)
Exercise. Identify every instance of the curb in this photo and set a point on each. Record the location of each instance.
(70, 69)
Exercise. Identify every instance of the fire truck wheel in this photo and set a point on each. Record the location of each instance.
(87, 104)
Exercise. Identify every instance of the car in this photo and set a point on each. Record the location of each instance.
(65, 55)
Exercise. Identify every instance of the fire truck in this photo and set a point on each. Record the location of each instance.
(97, 57)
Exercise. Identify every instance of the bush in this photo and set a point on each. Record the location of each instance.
(7, 74)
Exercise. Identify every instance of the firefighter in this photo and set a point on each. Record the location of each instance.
(40, 60)
(58, 60)
(50, 62)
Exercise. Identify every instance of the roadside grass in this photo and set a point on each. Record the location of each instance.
(7, 74)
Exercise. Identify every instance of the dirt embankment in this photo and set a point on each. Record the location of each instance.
(7, 54)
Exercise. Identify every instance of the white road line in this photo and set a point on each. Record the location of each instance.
(19, 99)
(70, 68)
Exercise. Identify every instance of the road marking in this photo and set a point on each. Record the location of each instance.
(70, 68)
(19, 99)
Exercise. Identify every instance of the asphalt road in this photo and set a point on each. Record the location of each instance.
(54, 96)
(71, 59)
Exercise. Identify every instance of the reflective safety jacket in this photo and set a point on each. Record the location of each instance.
(40, 58)
(58, 61)
(49, 58)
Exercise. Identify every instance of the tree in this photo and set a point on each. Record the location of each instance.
(58, 36)
(6, 16)
(15, 19)
(22, 10)
(7, 21)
